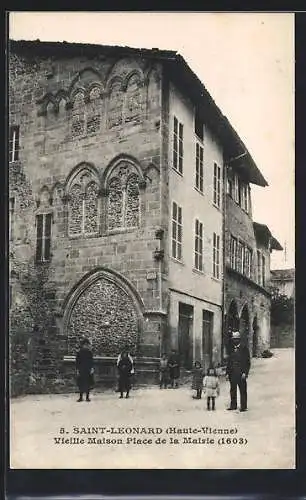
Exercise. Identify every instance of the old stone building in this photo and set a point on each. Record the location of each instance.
(248, 246)
(283, 305)
(117, 160)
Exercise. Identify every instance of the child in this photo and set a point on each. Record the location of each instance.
(197, 380)
(211, 387)
(163, 371)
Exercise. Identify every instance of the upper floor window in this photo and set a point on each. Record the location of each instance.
(230, 183)
(216, 256)
(239, 191)
(177, 231)
(93, 115)
(236, 188)
(123, 209)
(233, 252)
(133, 101)
(263, 271)
(86, 112)
(240, 257)
(115, 104)
(11, 218)
(259, 272)
(198, 246)
(78, 115)
(14, 143)
(83, 205)
(217, 185)
(43, 237)
(247, 262)
(178, 150)
(199, 167)
(246, 198)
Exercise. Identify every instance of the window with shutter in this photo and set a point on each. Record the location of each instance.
(217, 186)
(177, 231)
(43, 237)
(199, 167)
(178, 147)
(14, 143)
(198, 254)
(216, 256)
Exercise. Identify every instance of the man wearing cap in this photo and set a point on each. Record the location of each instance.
(237, 371)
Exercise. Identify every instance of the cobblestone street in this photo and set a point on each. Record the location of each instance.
(268, 426)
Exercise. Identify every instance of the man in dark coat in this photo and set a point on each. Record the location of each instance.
(84, 367)
(174, 368)
(237, 371)
(125, 367)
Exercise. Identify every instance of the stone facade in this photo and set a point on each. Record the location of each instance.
(89, 156)
(91, 185)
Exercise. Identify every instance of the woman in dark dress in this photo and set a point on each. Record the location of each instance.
(125, 369)
(84, 367)
(174, 368)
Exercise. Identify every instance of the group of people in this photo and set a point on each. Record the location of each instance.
(237, 370)
(85, 371)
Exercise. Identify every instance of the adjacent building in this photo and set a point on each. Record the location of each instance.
(283, 281)
(282, 318)
(248, 246)
(127, 187)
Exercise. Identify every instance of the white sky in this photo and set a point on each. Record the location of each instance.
(246, 62)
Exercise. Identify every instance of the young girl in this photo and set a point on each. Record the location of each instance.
(211, 387)
(163, 372)
(197, 380)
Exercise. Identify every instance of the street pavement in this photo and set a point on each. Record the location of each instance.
(46, 431)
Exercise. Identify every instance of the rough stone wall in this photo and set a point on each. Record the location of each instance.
(282, 336)
(258, 304)
(80, 116)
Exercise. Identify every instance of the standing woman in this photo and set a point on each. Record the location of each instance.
(84, 368)
(126, 369)
(174, 368)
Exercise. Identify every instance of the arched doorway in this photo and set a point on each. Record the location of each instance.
(104, 308)
(255, 337)
(245, 325)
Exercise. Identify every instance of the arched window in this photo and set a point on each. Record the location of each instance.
(83, 206)
(78, 115)
(132, 201)
(94, 111)
(91, 208)
(115, 105)
(115, 204)
(123, 198)
(75, 210)
(132, 103)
